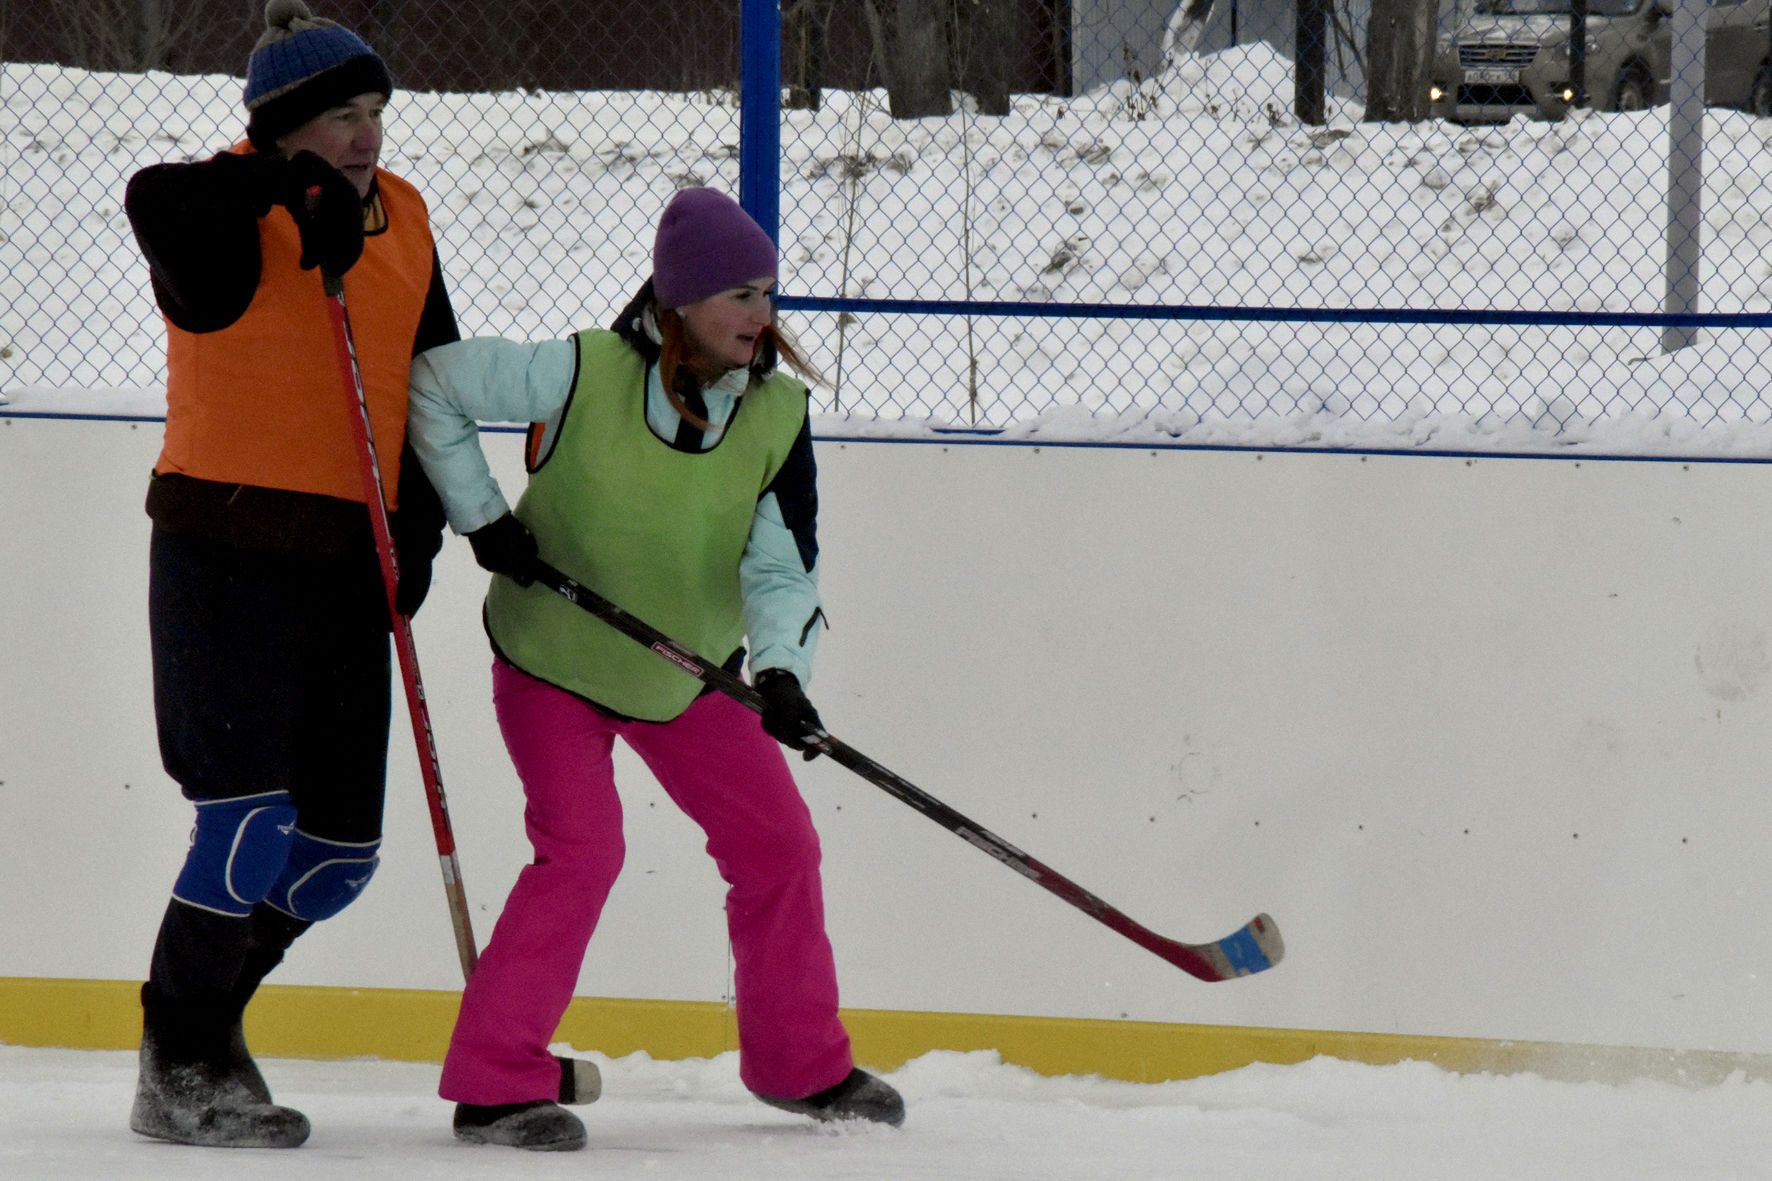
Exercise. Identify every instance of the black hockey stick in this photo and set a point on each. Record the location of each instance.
(1254, 947)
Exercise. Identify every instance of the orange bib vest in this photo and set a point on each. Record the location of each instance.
(262, 401)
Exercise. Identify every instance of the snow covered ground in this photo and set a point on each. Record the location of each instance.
(63, 1115)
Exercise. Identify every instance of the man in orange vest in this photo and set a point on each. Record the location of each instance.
(267, 614)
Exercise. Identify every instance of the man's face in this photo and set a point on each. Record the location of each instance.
(348, 137)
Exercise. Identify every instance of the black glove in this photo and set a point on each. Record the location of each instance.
(327, 209)
(507, 547)
(787, 716)
(415, 580)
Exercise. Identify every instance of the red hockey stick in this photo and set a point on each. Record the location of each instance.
(429, 766)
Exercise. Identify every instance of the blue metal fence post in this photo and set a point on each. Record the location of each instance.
(759, 114)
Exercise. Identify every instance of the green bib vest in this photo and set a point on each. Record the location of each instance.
(658, 532)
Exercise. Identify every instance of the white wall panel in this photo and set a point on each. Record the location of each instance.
(1487, 737)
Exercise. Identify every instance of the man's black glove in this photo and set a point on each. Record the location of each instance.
(327, 209)
(787, 716)
(415, 576)
(506, 547)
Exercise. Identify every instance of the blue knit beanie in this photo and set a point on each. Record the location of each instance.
(301, 66)
(706, 244)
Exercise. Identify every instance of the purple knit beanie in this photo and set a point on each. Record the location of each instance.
(707, 244)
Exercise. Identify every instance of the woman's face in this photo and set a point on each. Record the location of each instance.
(722, 331)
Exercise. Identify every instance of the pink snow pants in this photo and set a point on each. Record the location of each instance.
(729, 777)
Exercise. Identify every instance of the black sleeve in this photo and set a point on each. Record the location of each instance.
(197, 226)
(419, 522)
(436, 324)
(796, 491)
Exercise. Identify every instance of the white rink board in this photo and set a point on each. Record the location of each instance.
(1487, 737)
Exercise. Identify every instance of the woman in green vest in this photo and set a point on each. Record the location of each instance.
(671, 470)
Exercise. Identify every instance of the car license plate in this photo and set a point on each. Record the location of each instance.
(1492, 74)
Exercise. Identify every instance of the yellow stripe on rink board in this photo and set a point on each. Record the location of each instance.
(413, 1025)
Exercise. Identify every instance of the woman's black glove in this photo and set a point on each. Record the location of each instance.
(327, 209)
(506, 546)
(787, 716)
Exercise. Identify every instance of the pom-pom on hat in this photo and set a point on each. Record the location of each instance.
(707, 244)
(301, 66)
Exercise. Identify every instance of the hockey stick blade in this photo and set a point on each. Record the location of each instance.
(580, 1081)
(1255, 947)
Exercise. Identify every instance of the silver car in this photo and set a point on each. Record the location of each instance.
(1511, 57)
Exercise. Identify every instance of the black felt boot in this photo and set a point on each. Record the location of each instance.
(190, 1091)
(540, 1125)
(859, 1096)
(198, 1084)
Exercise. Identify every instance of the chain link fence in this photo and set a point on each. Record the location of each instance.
(1088, 218)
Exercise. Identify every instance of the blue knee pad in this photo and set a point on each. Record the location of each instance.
(238, 848)
(323, 877)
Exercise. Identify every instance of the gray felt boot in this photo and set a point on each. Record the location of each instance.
(540, 1125)
(859, 1096)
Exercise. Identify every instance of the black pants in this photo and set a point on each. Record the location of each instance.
(271, 673)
